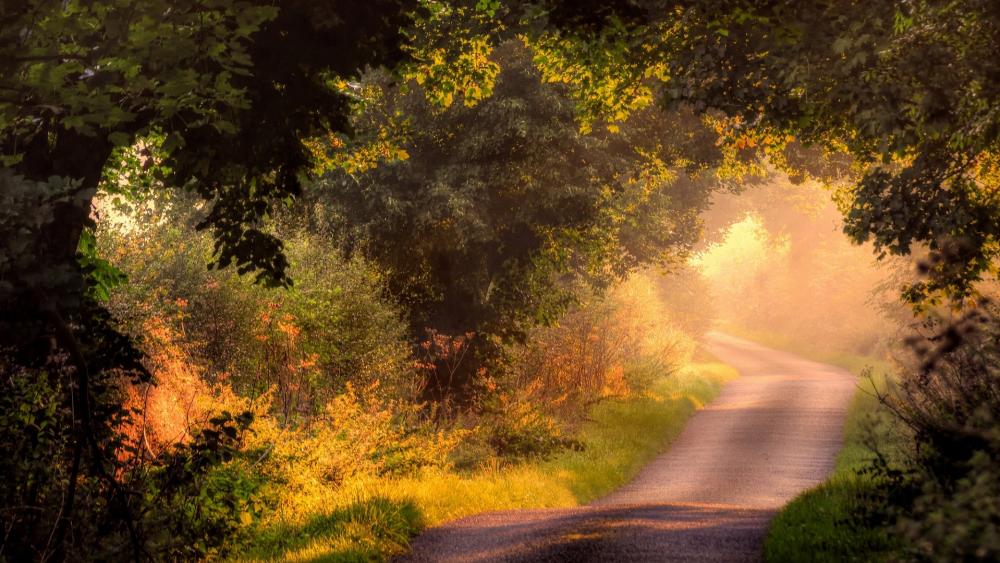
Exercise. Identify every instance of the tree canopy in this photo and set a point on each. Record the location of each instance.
(842, 76)
(506, 206)
(487, 155)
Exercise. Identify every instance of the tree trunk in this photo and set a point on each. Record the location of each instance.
(55, 307)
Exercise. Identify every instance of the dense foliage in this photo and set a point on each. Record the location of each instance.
(506, 206)
(82, 78)
(839, 75)
(945, 500)
(326, 369)
(444, 181)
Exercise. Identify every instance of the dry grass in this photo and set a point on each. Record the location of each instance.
(371, 518)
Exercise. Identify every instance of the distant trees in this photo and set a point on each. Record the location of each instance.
(784, 267)
(498, 210)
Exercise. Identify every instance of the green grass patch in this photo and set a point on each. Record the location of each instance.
(821, 525)
(373, 519)
(854, 363)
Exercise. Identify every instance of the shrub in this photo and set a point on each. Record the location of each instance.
(358, 435)
(32, 435)
(62, 455)
(959, 521)
(524, 431)
(188, 501)
(951, 402)
(332, 328)
(605, 347)
(200, 501)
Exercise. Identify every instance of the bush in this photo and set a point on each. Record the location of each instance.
(959, 521)
(357, 436)
(605, 347)
(951, 401)
(190, 501)
(32, 435)
(524, 431)
(332, 328)
(64, 485)
(200, 501)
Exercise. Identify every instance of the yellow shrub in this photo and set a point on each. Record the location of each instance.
(605, 347)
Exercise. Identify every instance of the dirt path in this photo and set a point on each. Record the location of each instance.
(769, 435)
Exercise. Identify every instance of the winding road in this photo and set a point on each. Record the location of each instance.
(770, 434)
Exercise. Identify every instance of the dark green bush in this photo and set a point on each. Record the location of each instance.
(192, 502)
(524, 431)
(200, 501)
(61, 455)
(32, 435)
(959, 521)
(948, 502)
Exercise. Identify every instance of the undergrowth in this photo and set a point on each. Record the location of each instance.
(373, 518)
(834, 522)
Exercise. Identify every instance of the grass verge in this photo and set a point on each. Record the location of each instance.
(374, 519)
(821, 524)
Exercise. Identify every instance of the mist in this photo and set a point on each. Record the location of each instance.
(778, 265)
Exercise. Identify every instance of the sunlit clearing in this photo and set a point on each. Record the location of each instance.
(742, 255)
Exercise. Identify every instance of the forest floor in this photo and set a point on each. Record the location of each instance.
(770, 434)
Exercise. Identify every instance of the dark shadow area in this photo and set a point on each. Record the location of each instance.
(660, 532)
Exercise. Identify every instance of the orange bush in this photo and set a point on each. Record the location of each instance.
(168, 409)
(593, 351)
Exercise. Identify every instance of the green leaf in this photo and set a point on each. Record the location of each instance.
(120, 139)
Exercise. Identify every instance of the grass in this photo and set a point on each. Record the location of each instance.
(374, 519)
(854, 363)
(820, 525)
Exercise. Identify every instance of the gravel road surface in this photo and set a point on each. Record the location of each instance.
(770, 434)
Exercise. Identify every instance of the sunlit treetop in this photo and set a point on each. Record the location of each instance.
(909, 92)
(450, 46)
(484, 214)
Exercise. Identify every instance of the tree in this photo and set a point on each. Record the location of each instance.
(489, 215)
(232, 89)
(845, 76)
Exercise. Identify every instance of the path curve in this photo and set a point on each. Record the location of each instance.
(770, 434)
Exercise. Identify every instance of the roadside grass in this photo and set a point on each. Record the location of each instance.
(854, 363)
(823, 524)
(374, 519)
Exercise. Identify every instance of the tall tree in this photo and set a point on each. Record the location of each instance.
(908, 89)
(232, 88)
(497, 209)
